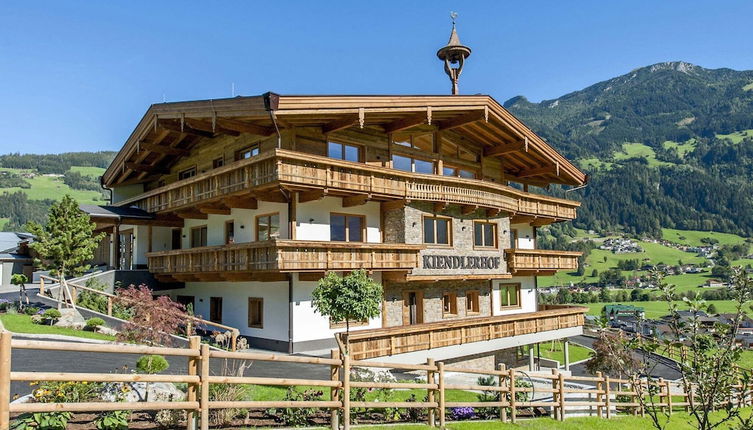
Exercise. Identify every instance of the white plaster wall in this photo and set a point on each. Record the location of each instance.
(235, 297)
(313, 218)
(242, 217)
(525, 236)
(126, 192)
(162, 238)
(527, 295)
(140, 244)
(309, 324)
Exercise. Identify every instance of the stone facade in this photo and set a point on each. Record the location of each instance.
(432, 300)
(488, 361)
(405, 225)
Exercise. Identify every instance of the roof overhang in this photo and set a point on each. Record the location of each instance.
(117, 215)
(169, 130)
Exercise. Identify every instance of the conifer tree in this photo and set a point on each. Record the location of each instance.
(66, 243)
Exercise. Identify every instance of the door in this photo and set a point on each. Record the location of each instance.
(176, 236)
(215, 309)
(186, 301)
(126, 250)
(413, 307)
(513, 239)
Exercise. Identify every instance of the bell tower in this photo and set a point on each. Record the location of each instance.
(454, 54)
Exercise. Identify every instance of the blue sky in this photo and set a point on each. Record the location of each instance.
(78, 75)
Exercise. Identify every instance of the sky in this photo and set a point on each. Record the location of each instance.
(78, 75)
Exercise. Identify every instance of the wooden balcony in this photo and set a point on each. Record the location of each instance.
(540, 261)
(266, 260)
(263, 174)
(365, 344)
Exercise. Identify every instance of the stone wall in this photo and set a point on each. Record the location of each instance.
(432, 303)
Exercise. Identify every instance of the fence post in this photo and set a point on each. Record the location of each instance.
(511, 381)
(5, 350)
(194, 342)
(440, 369)
(346, 392)
(234, 340)
(204, 403)
(334, 375)
(599, 395)
(607, 395)
(430, 392)
(555, 393)
(502, 394)
(662, 402)
(669, 397)
(562, 395)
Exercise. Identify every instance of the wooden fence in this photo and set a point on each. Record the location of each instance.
(601, 395)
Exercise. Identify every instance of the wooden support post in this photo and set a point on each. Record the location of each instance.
(607, 400)
(511, 381)
(430, 379)
(234, 340)
(566, 351)
(599, 395)
(555, 393)
(531, 360)
(502, 395)
(194, 342)
(561, 386)
(204, 401)
(440, 384)
(5, 360)
(334, 375)
(346, 392)
(41, 286)
(109, 306)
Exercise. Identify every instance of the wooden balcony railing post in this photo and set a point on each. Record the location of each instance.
(194, 342)
(204, 400)
(440, 370)
(430, 379)
(334, 375)
(5, 361)
(346, 392)
(502, 394)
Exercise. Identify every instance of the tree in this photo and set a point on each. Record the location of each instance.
(20, 279)
(65, 243)
(154, 318)
(355, 297)
(712, 309)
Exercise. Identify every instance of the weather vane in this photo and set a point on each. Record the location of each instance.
(454, 55)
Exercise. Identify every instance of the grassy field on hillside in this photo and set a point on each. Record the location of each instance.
(657, 309)
(52, 187)
(693, 237)
(88, 170)
(737, 136)
(639, 150)
(682, 148)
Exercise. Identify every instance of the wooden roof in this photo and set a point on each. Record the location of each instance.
(168, 130)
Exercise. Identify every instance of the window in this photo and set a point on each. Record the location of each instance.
(456, 171)
(449, 304)
(509, 295)
(248, 152)
(199, 236)
(255, 312)
(215, 309)
(346, 228)
(410, 164)
(175, 236)
(188, 173)
(218, 162)
(186, 301)
(437, 230)
(484, 234)
(466, 174)
(268, 226)
(229, 232)
(471, 302)
(343, 151)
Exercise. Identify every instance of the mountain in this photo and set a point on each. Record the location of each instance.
(667, 145)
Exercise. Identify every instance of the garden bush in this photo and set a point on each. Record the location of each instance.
(51, 315)
(30, 310)
(297, 417)
(151, 364)
(93, 323)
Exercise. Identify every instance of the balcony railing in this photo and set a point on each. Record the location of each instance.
(372, 343)
(540, 260)
(284, 256)
(298, 170)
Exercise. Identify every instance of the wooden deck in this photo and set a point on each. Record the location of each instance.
(258, 176)
(243, 260)
(365, 344)
(540, 261)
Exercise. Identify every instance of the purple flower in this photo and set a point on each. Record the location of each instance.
(462, 413)
(40, 312)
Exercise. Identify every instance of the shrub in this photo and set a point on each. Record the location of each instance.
(93, 323)
(154, 318)
(51, 315)
(151, 364)
(31, 310)
(4, 303)
(297, 417)
(42, 420)
(112, 420)
(168, 418)
(37, 319)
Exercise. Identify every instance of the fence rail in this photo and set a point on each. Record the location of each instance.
(604, 395)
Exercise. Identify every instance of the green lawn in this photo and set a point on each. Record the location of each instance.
(19, 323)
(553, 351)
(693, 237)
(682, 148)
(52, 187)
(737, 136)
(273, 393)
(678, 421)
(88, 170)
(639, 150)
(657, 309)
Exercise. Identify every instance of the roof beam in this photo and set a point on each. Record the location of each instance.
(162, 149)
(462, 120)
(356, 200)
(546, 170)
(174, 126)
(200, 124)
(146, 168)
(408, 122)
(242, 202)
(504, 149)
(340, 124)
(214, 209)
(191, 213)
(245, 127)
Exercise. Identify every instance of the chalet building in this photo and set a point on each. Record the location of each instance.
(241, 205)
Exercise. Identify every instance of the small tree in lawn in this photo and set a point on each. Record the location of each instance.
(20, 279)
(154, 318)
(65, 243)
(355, 297)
